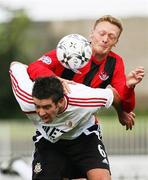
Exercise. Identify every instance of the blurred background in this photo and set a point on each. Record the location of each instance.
(29, 28)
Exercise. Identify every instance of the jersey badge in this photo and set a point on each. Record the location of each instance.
(103, 76)
(37, 168)
(69, 124)
(46, 59)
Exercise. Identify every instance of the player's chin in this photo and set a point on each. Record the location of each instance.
(47, 120)
(101, 50)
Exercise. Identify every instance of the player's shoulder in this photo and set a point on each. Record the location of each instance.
(78, 90)
(75, 87)
(51, 53)
(81, 91)
(115, 56)
(49, 57)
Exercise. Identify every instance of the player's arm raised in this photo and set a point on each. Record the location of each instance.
(135, 77)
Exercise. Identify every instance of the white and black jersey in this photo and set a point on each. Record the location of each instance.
(77, 116)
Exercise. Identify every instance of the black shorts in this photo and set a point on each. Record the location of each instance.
(69, 158)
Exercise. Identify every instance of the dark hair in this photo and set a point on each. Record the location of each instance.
(48, 87)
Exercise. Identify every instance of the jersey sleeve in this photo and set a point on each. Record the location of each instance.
(44, 66)
(22, 87)
(119, 83)
(128, 102)
(108, 95)
(84, 96)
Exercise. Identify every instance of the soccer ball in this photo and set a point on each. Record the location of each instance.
(73, 51)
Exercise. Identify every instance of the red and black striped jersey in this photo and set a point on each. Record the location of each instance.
(95, 74)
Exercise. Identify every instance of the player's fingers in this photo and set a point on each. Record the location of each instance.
(70, 82)
(140, 68)
(129, 126)
(66, 87)
(130, 123)
(133, 114)
(132, 119)
(134, 74)
(139, 78)
(140, 73)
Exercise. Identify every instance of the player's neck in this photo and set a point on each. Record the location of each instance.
(100, 57)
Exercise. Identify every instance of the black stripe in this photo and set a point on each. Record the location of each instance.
(34, 138)
(67, 74)
(90, 75)
(52, 131)
(109, 69)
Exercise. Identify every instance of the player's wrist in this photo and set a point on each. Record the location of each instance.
(132, 86)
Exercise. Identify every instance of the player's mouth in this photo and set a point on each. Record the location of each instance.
(46, 119)
(103, 46)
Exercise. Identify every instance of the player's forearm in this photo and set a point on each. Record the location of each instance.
(126, 119)
(128, 99)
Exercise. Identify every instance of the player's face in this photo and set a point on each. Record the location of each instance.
(46, 109)
(104, 37)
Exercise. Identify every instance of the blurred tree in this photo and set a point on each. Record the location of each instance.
(12, 37)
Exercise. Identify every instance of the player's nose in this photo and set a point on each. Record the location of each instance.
(41, 112)
(105, 38)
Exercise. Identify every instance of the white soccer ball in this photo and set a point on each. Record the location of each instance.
(74, 51)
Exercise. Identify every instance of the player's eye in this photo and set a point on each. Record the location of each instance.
(101, 33)
(37, 107)
(112, 37)
(47, 107)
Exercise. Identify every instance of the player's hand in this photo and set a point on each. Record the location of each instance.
(65, 84)
(135, 77)
(127, 119)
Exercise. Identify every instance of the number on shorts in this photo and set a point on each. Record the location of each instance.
(102, 152)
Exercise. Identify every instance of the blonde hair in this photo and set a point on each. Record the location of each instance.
(111, 20)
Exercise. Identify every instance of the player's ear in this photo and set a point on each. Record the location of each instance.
(61, 102)
(115, 43)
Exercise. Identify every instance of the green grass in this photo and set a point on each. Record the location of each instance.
(25, 128)
(17, 129)
(116, 139)
(111, 125)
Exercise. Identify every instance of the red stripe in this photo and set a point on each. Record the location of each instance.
(89, 102)
(20, 94)
(86, 105)
(71, 98)
(22, 97)
(16, 82)
(17, 86)
(18, 91)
